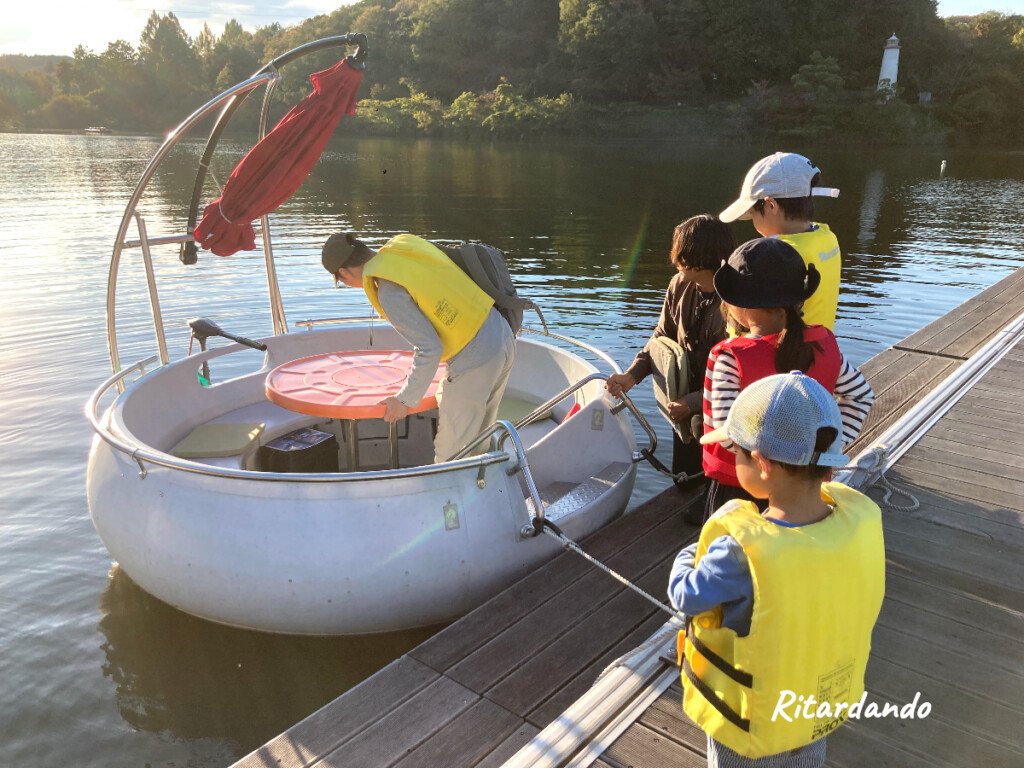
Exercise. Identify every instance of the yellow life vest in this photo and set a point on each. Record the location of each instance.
(455, 306)
(820, 248)
(817, 592)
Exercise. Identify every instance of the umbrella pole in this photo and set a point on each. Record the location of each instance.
(277, 317)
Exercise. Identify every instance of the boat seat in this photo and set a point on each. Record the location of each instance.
(514, 408)
(220, 441)
(276, 420)
(561, 498)
(225, 441)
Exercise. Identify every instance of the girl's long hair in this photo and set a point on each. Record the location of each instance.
(793, 353)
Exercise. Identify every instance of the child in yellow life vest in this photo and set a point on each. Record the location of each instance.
(781, 604)
(777, 199)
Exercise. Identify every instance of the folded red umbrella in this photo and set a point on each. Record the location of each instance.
(277, 166)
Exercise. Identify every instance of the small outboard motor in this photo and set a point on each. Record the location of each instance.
(203, 328)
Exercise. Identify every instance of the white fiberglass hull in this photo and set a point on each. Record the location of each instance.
(354, 556)
(321, 558)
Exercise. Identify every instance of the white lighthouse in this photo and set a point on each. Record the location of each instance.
(890, 66)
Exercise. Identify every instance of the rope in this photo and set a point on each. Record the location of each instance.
(875, 460)
(553, 530)
(220, 189)
(891, 489)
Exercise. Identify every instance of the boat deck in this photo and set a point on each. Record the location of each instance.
(950, 628)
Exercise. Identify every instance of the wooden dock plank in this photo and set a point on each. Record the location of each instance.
(403, 728)
(1001, 654)
(966, 482)
(989, 462)
(555, 705)
(640, 745)
(953, 605)
(922, 567)
(914, 377)
(966, 669)
(328, 727)
(957, 718)
(666, 716)
(856, 745)
(956, 552)
(962, 432)
(987, 521)
(544, 673)
(519, 739)
(487, 666)
(466, 739)
(473, 631)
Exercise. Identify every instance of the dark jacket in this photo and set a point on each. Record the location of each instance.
(694, 320)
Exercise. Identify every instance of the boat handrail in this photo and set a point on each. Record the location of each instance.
(593, 350)
(309, 324)
(140, 454)
(509, 431)
(547, 405)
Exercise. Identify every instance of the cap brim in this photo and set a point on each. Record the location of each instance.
(714, 436)
(738, 210)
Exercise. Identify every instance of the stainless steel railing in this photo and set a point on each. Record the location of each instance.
(143, 455)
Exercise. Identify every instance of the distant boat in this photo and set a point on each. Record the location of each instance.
(97, 129)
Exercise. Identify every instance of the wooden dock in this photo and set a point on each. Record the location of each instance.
(951, 627)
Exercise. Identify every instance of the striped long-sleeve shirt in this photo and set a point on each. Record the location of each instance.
(852, 392)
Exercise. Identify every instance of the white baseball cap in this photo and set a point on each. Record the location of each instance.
(784, 174)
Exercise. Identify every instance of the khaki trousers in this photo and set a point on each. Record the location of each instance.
(467, 403)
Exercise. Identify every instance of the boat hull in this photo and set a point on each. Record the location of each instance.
(322, 558)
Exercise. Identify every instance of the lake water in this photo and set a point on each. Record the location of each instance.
(93, 670)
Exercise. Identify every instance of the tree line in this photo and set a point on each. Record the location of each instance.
(600, 66)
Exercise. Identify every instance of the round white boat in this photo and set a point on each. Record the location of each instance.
(358, 548)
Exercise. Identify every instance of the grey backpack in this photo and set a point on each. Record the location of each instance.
(486, 265)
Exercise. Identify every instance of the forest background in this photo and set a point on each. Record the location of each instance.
(689, 69)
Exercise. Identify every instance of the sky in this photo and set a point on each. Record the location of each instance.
(58, 26)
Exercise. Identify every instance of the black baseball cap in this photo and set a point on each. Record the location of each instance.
(766, 272)
(340, 249)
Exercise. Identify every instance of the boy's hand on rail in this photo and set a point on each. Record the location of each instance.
(394, 409)
(619, 383)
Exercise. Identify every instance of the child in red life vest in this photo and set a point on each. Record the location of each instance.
(763, 285)
(781, 604)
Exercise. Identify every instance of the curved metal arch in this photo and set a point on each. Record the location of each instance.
(231, 99)
(189, 251)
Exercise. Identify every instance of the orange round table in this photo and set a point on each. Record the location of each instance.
(349, 386)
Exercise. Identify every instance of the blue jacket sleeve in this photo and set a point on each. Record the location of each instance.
(721, 578)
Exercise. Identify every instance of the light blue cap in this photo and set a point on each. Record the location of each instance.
(779, 416)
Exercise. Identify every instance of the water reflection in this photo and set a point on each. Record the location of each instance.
(179, 675)
(870, 207)
(568, 214)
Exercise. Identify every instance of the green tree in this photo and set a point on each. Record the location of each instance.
(606, 45)
(170, 66)
(819, 80)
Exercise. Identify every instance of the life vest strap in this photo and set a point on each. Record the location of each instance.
(723, 709)
(743, 678)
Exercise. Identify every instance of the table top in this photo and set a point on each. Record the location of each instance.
(346, 385)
